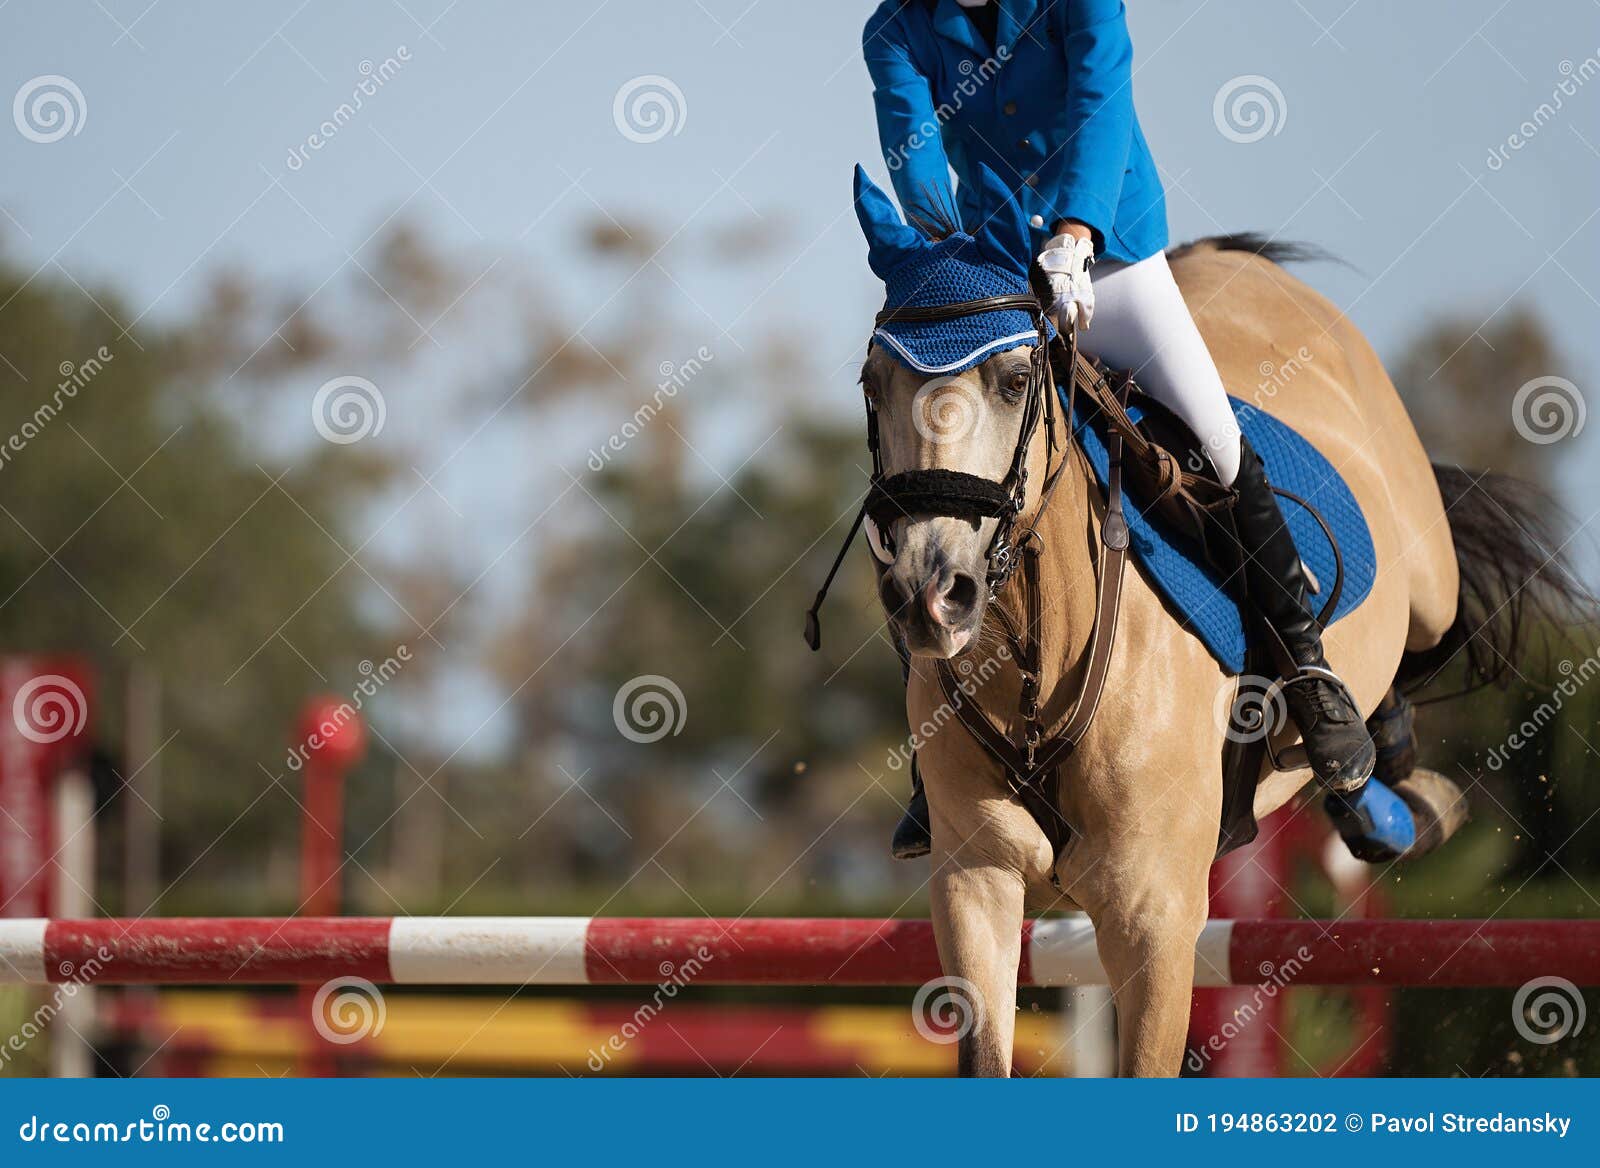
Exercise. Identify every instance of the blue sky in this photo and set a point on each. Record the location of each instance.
(503, 118)
(497, 133)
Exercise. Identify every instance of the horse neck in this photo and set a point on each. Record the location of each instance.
(1068, 572)
(1069, 536)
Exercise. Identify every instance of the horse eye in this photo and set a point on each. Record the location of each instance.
(1015, 384)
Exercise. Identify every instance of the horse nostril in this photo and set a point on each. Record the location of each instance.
(962, 596)
(893, 594)
(951, 603)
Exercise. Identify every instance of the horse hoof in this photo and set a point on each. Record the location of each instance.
(1437, 804)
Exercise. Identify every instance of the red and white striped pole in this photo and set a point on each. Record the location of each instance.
(798, 951)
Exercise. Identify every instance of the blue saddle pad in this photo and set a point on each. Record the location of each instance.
(1177, 566)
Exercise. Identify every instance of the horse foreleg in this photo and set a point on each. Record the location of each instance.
(1147, 947)
(977, 922)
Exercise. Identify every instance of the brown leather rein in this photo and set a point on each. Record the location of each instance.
(1032, 767)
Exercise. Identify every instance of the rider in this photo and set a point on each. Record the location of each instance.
(1040, 91)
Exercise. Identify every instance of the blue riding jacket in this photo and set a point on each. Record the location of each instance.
(1048, 108)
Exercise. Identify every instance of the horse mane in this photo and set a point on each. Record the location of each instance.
(938, 217)
(1269, 248)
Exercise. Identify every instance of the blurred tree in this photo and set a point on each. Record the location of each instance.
(1458, 379)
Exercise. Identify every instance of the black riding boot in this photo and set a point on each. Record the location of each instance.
(912, 837)
(1337, 743)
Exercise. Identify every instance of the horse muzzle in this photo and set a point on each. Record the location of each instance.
(934, 590)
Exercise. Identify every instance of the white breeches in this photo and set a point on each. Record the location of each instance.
(1141, 323)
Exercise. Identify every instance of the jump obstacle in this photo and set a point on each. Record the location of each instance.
(572, 951)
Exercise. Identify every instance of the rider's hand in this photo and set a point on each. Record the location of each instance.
(1065, 262)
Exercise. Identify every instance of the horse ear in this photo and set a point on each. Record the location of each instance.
(889, 240)
(1003, 235)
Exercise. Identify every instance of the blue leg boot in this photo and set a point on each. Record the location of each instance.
(1375, 823)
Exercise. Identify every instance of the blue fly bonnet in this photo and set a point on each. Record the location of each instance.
(919, 272)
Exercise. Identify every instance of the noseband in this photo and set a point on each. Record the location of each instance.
(955, 493)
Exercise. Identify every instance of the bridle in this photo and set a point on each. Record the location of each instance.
(1032, 768)
(954, 493)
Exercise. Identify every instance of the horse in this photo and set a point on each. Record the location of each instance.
(1142, 787)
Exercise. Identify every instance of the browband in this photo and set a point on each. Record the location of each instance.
(1012, 302)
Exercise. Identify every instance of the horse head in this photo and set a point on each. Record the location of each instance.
(956, 382)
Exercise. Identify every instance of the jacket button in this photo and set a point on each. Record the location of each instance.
(1032, 180)
(1010, 108)
(1036, 221)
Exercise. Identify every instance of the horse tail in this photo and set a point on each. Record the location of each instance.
(1516, 579)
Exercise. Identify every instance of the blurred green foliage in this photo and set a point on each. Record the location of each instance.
(177, 514)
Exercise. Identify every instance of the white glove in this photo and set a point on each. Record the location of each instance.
(1066, 260)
